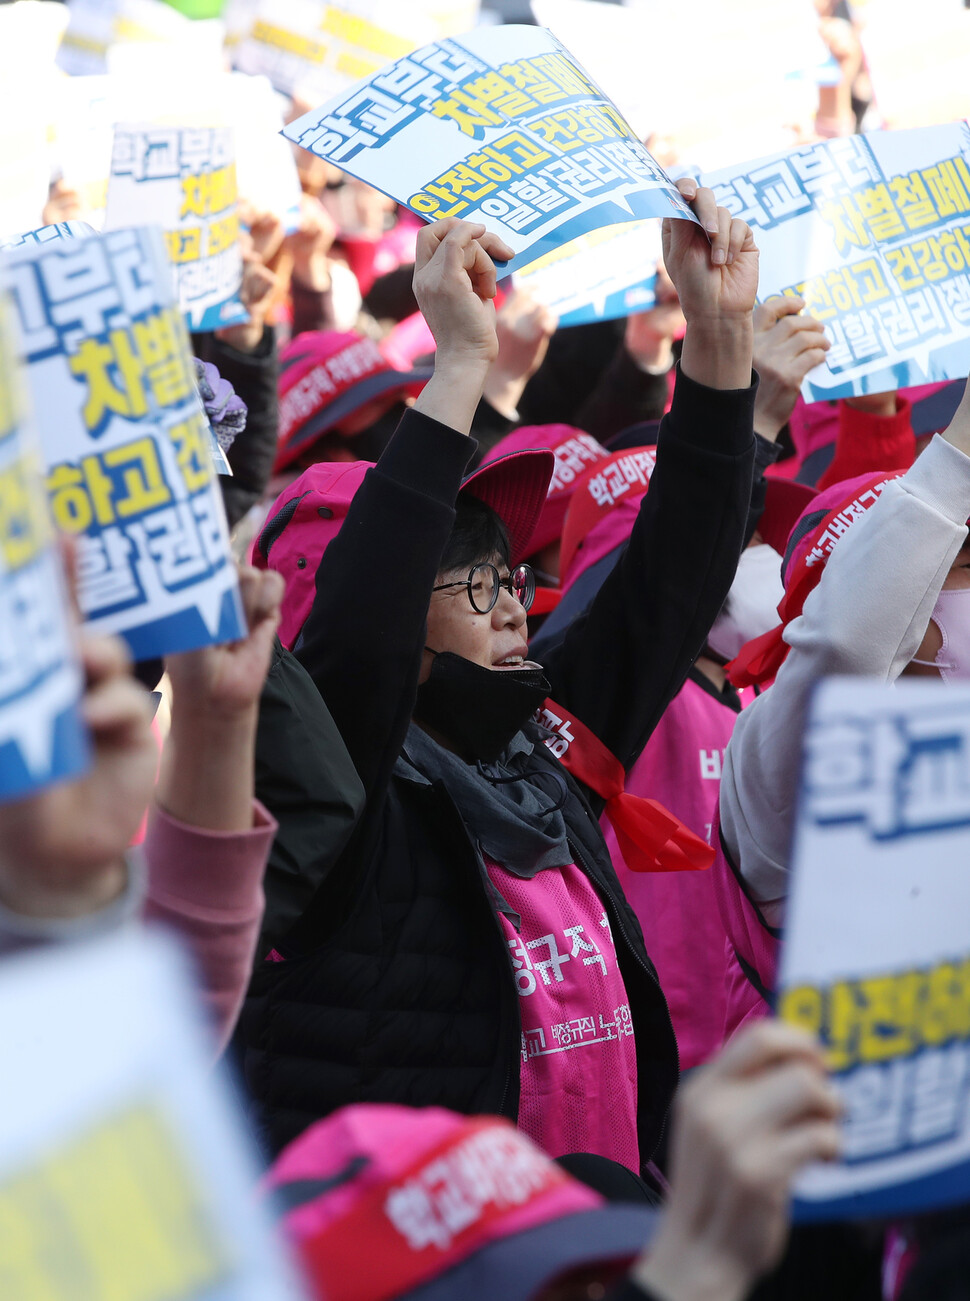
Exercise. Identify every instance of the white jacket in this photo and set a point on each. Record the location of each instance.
(867, 616)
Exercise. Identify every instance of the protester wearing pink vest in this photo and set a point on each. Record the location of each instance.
(680, 766)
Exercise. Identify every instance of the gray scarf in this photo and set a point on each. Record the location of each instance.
(515, 822)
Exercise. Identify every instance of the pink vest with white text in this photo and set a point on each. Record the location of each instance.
(681, 767)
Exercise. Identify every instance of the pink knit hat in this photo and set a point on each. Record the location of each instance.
(387, 1202)
(575, 452)
(308, 514)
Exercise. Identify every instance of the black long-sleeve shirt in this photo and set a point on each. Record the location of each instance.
(619, 665)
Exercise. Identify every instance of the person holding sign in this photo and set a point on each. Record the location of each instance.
(877, 579)
(474, 929)
(67, 869)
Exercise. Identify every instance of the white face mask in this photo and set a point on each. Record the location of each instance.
(951, 614)
(752, 605)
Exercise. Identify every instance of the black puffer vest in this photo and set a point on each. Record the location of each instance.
(397, 983)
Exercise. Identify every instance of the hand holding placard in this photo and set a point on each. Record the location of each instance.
(507, 130)
(716, 278)
(746, 1124)
(788, 343)
(454, 283)
(62, 850)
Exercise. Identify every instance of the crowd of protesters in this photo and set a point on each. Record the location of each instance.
(439, 831)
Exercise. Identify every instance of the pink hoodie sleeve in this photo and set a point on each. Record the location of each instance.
(208, 886)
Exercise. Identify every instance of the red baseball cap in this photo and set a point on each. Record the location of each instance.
(786, 501)
(327, 375)
(384, 1202)
(575, 452)
(308, 514)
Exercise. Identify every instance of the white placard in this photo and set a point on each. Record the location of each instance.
(95, 26)
(501, 126)
(876, 959)
(184, 180)
(265, 163)
(598, 277)
(313, 49)
(874, 232)
(125, 439)
(122, 1161)
(42, 737)
(640, 53)
(45, 234)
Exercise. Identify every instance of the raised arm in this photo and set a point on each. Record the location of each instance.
(626, 658)
(363, 639)
(208, 840)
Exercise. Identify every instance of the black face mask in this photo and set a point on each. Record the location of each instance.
(478, 710)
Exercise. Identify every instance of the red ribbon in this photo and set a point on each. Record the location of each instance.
(651, 838)
(759, 660)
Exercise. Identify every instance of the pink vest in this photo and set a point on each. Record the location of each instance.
(681, 767)
(751, 948)
(578, 1080)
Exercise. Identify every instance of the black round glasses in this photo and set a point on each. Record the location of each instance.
(484, 584)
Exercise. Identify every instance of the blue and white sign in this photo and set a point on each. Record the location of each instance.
(873, 231)
(184, 180)
(45, 234)
(876, 960)
(501, 126)
(125, 1168)
(598, 277)
(125, 438)
(42, 737)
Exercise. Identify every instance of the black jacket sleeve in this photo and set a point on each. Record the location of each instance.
(254, 376)
(363, 639)
(623, 661)
(305, 778)
(765, 454)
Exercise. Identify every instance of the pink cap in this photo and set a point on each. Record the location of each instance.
(575, 452)
(326, 376)
(608, 499)
(308, 514)
(384, 1202)
(624, 477)
(809, 544)
(819, 529)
